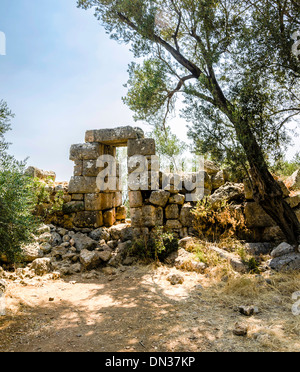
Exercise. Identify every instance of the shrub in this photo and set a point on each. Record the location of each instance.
(156, 246)
(17, 223)
(218, 222)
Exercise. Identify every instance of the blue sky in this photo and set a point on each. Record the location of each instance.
(61, 76)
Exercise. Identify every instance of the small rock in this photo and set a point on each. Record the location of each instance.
(248, 310)
(240, 329)
(175, 279)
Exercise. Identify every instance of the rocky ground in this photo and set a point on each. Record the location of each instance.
(116, 304)
(137, 308)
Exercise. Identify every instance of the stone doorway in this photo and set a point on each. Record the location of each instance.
(92, 205)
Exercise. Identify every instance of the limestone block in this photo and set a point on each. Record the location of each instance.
(77, 197)
(90, 169)
(136, 216)
(173, 224)
(149, 215)
(159, 197)
(85, 151)
(177, 199)
(109, 217)
(78, 168)
(116, 136)
(118, 199)
(135, 199)
(99, 201)
(88, 219)
(172, 212)
(73, 207)
(144, 146)
(83, 185)
(121, 213)
(186, 217)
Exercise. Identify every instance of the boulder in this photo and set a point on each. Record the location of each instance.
(288, 262)
(31, 252)
(219, 179)
(41, 266)
(282, 249)
(100, 233)
(83, 242)
(211, 167)
(90, 260)
(227, 193)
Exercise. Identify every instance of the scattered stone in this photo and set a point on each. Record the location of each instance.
(41, 266)
(282, 249)
(175, 279)
(288, 262)
(240, 329)
(248, 310)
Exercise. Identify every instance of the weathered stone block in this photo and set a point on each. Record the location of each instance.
(135, 199)
(173, 224)
(90, 169)
(159, 197)
(186, 217)
(77, 197)
(177, 199)
(78, 168)
(144, 146)
(109, 217)
(116, 137)
(99, 201)
(172, 212)
(136, 216)
(88, 219)
(85, 151)
(121, 213)
(83, 185)
(149, 215)
(118, 199)
(73, 207)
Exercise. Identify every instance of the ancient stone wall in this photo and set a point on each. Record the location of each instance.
(93, 197)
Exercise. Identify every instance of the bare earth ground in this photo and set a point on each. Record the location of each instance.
(138, 310)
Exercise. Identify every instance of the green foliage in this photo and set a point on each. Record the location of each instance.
(16, 198)
(168, 146)
(285, 168)
(157, 246)
(231, 61)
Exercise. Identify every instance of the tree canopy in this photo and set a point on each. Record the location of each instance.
(234, 63)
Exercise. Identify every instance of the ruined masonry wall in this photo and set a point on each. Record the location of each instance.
(92, 208)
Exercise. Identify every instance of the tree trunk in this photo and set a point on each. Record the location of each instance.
(266, 190)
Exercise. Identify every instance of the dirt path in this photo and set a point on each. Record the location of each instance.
(138, 310)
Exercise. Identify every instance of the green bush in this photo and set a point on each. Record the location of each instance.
(17, 199)
(16, 205)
